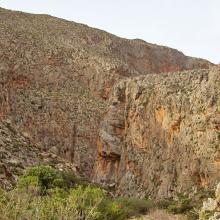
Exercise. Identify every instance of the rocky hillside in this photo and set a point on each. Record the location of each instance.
(56, 76)
(139, 118)
(17, 152)
(161, 135)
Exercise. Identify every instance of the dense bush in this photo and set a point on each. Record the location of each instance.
(46, 194)
(43, 178)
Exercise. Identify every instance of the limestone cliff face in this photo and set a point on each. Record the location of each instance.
(56, 75)
(161, 134)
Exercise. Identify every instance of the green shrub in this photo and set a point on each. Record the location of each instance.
(43, 178)
(186, 205)
(30, 184)
(179, 208)
(65, 179)
(54, 197)
(3, 196)
(122, 208)
(164, 203)
(87, 201)
(134, 206)
(111, 210)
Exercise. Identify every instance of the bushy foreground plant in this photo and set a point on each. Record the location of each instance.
(46, 194)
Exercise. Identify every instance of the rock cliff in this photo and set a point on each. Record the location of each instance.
(161, 135)
(56, 77)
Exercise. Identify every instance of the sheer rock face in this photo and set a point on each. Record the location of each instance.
(161, 134)
(56, 75)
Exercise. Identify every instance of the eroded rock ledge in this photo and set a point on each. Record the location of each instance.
(161, 134)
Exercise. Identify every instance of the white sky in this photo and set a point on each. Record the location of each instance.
(192, 26)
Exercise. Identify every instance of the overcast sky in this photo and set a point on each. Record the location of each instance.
(192, 26)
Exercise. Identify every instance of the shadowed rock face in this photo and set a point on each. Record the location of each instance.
(161, 134)
(56, 76)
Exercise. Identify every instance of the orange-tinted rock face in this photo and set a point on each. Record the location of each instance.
(170, 141)
(56, 76)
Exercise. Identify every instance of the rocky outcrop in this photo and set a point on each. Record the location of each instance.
(211, 207)
(161, 134)
(56, 76)
(17, 152)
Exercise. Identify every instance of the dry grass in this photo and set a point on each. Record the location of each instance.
(161, 215)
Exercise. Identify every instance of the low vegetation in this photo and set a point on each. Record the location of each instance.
(43, 193)
(187, 205)
(47, 194)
